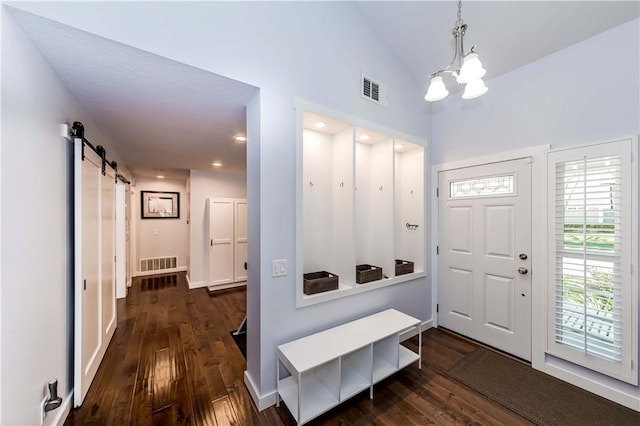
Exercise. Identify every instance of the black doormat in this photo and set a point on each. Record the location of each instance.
(538, 397)
(241, 342)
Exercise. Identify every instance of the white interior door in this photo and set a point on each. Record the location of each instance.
(240, 241)
(95, 313)
(484, 278)
(221, 266)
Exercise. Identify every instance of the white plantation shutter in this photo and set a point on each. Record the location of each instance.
(591, 309)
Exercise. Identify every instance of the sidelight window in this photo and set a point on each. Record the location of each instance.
(592, 314)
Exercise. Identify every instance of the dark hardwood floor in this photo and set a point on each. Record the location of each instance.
(172, 361)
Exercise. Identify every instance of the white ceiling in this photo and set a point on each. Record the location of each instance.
(164, 115)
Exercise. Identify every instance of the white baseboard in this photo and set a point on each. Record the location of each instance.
(197, 284)
(59, 415)
(163, 271)
(261, 401)
(414, 332)
(226, 286)
(590, 381)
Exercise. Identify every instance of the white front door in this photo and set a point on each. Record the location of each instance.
(484, 278)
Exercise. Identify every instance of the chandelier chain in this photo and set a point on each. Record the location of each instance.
(459, 21)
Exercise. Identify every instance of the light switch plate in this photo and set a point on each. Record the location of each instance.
(279, 267)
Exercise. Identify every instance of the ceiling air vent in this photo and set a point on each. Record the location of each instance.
(374, 91)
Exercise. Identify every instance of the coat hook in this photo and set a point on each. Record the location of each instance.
(380, 188)
(310, 183)
(411, 192)
(341, 184)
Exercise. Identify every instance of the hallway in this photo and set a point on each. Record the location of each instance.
(172, 360)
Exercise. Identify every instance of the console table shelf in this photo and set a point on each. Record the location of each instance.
(318, 372)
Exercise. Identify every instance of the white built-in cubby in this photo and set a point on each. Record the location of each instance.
(361, 202)
(320, 371)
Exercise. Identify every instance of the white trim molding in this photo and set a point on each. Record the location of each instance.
(261, 401)
(196, 284)
(226, 286)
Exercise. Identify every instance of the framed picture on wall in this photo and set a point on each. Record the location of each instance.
(160, 205)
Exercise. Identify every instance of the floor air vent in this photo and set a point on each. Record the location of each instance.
(374, 91)
(159, 264)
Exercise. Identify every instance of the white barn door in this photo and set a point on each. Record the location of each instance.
(484, 282)
(95, 309)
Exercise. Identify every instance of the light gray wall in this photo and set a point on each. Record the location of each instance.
(204, 185)
(172, 237)
(587, 93)
(315, 51)
(37, 250)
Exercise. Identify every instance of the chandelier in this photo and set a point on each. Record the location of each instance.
(464, 67)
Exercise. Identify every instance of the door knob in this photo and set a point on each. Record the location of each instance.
(522, 270)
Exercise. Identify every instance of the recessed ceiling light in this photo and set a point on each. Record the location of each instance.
(398, 146)
(364, 137)
(240, 138)
(160, 176)
(217, 164)
(320, 124)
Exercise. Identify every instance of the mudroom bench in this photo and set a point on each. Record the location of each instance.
(320, 371)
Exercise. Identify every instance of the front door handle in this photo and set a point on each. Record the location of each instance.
(522, 270)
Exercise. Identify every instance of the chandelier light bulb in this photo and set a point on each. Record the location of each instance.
(436, 90)
(471, 69)
(474, 89)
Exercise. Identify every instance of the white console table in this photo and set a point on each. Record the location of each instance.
(324, 369)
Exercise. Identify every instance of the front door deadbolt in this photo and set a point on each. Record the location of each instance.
(523, 256)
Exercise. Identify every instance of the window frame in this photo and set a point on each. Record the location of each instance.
(626, 369)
